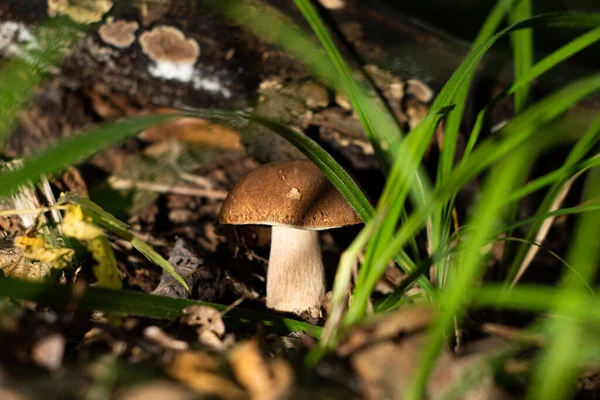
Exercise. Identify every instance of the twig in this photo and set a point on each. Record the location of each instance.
(125, 184)
(195, 179)
(233, 305)
(40, 210)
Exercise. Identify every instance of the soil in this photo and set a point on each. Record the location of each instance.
(182, 175)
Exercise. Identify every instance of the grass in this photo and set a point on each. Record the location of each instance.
(126, 302)
(503, 159)
(21, 75)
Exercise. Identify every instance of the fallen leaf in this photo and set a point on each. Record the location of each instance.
(402, 322)
(264, 380)
(106, 270)
(27, 270)
(198, 370)
(386, 351)
(37, 249)
(163, 390)
(7, 394)
(193, 131)
(79, 226)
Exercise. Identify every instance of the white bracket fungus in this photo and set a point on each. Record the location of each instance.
(173, 55)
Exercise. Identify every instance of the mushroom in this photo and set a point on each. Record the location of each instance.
(120, 34)
(172, 54)
(297, 200)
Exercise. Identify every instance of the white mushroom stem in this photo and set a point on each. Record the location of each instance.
(295, 276)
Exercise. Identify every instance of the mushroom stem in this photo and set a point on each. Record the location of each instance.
(295, 276)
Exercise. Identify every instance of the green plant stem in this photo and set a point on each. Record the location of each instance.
(126, 302)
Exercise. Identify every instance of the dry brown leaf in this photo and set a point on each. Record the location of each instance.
(386, 370)
(23, 268)
(385, 352)
(194, 131)
(163, 390)
(197, 369)
(402, 322)
(264, 380)
(7, 394)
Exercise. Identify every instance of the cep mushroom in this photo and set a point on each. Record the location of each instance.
(297, 200)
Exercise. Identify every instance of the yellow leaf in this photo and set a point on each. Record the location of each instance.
(106, 271)
(75, 224)
(37, 249)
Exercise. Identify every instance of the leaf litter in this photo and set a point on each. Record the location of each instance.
(199, 354)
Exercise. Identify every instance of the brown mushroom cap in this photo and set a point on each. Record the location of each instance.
(120, 34)
(291, 193)
(167, 43)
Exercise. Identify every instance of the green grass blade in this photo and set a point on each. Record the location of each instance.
(552, 177)
(384, 136)
(563, 53)
(556, 213)
(21, 75)
(341, 292)
(535, 298)
(523, 125)
(514, 135)
(109, 222)
(442, 220)
(72, 150)
(394, 300)
(557, 367)
(454, 120)
(394, 193)
(552, 20)
(463, 74)
(582, 147)
(522, 44)
(502, 179)
(126, 302)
